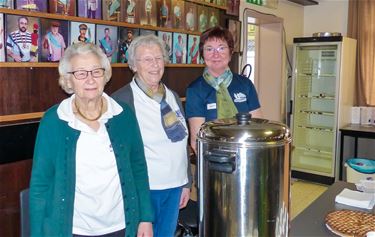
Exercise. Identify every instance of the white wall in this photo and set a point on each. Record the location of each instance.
(327, 16)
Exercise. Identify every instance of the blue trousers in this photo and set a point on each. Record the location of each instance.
(166, 207)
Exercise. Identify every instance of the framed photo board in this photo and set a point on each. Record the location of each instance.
(67, 7)
(112, 10)
(235, 29)
(6, 4)
(126, 36)
(193, 49)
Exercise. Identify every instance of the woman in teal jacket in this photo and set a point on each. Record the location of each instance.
(89, 175)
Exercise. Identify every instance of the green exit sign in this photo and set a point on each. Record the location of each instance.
(256, 2)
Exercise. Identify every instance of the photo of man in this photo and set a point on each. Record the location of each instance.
(193, 49)
(22, 41)
(2, 46)
(82, 32)
(112, 10)
(178, 20)
(64, 7)
(107, 40)
(191, 15)
(214, 16)
(54, 41)
(167, 39)
(202, 19)
(179, 48)
(32, 5)
(148, 12)
(90, 9)
(131, 15)
(6, 4)
(126, 37)
(163, 13)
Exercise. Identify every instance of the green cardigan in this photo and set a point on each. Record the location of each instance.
(52, 185)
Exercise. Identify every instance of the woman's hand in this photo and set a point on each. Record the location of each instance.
(145, 229)
(185, 196)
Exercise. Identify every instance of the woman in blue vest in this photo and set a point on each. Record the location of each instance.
(218, 93)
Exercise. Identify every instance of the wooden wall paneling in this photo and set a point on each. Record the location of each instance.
(14, 178)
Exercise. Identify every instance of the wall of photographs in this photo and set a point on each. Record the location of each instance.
(30, 33)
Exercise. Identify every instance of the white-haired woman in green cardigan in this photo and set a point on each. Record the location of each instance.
(89, 175)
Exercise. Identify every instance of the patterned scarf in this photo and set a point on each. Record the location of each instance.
(225, 104)
(173, 127)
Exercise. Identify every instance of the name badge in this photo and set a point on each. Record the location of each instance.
(211, 106)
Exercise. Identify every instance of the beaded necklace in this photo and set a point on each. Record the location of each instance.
(89, 119)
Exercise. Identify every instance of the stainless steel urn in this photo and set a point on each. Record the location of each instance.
(243, 178)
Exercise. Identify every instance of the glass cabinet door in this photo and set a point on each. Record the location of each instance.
(314, 109)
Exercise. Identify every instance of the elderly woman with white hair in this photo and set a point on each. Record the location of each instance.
(89, 174)
(164, 132)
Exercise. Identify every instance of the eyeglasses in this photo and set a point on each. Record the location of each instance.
(152, 60)
(211, 50)
(82, 74)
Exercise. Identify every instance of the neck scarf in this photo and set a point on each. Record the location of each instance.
(225, 104)
(173, 127)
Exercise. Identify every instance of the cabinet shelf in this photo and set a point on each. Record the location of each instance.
(89, 20)
(317, 112)
(320, 96)
(322, 150)
(314, 127)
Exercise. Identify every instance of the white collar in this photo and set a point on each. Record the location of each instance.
(65, 111)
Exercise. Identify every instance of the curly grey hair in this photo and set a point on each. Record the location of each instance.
(145, 40)
(81, 49)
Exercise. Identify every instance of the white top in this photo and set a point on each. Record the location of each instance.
(166, 161)
(98, 203)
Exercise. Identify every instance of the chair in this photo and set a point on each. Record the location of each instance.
(24, 205)
(188, 220)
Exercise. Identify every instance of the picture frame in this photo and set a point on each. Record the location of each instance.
(32, 5)
(107, 38)
(202, 18)
(54, 39)
(179, 48)
(234, 28)
(2, 43)
(112, 10)
(164, 18)
(82, 32)
(191, 10)
(233, 7)
(130, 11)
(58, 7)
(193, 49)
(7, 4)
(147, 12)
(22, 40)
(91, 9)
(126, 36)
(178, 14)
(167, 38)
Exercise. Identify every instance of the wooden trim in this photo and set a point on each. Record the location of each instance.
(21, 117)
(46, 64)
(89, 20)
(207, 4)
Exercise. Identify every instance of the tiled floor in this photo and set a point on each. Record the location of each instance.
(302, 194)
